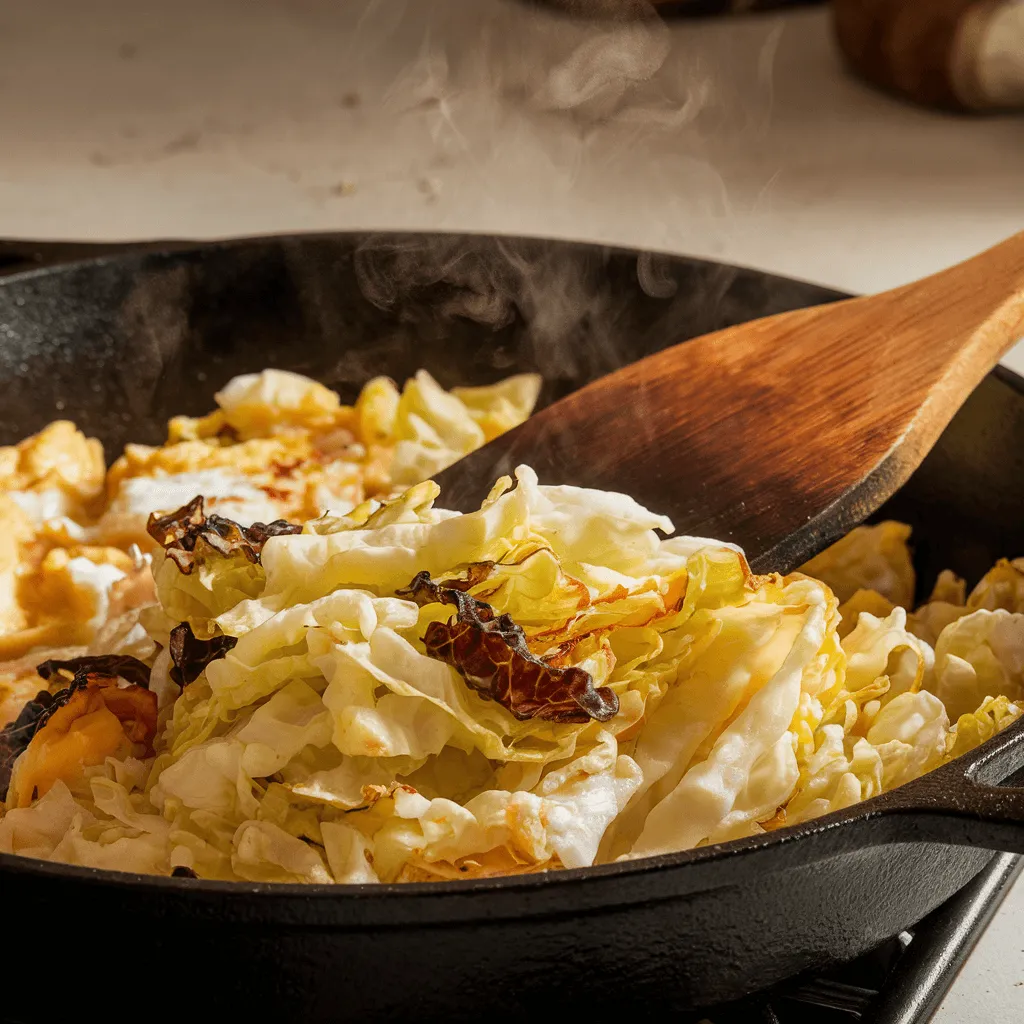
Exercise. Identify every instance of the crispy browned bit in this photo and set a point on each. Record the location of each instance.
(490, 652)
(191, 655)
(178, 527)
(275, 493)
(777, 820)
(424, 590)
(112, 665)
(183, 872)
(259, 533)
(179, 532)
(476, 572)
(285, 470)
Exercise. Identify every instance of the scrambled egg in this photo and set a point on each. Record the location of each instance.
(74, 550)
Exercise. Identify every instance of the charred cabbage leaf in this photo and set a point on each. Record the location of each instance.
(489, 651)
(15, 737)
(179, 532)
(191, 655)
(97, 720)
(108, 665)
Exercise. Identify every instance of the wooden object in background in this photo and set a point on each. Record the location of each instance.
(632, 9)
(783, 433)
(704, 7)
(954, 54)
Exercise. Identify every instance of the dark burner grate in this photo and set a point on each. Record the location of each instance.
(844, 996)
(901, 982)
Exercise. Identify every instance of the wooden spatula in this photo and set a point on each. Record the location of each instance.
(783, 433)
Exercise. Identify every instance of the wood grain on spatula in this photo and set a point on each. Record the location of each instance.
(779, 434)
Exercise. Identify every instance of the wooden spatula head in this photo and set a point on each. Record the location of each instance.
(781, 434)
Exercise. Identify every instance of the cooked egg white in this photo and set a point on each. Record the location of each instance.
(39, 506)
(228, 494)
(93, 583)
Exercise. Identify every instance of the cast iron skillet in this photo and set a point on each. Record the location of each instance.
(121, 343)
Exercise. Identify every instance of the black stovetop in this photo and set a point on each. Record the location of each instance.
(903, 981)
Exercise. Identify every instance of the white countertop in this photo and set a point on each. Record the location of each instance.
(131, 119)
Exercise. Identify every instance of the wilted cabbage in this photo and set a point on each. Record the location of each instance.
(402, 693)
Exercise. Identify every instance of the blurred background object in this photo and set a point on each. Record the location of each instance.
(696, 8)
(963, 55)
(956, 54)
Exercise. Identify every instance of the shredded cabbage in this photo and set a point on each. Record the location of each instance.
(327, 742)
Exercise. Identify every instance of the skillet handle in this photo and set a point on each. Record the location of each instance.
(961, 802)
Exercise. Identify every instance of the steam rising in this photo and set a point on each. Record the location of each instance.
(555, 102)
(565, 303)
(530, 85)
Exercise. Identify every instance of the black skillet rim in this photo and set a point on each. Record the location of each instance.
(102, 253)
(406, 895)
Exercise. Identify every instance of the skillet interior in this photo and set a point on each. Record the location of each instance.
(125, 342)
(122, 344)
